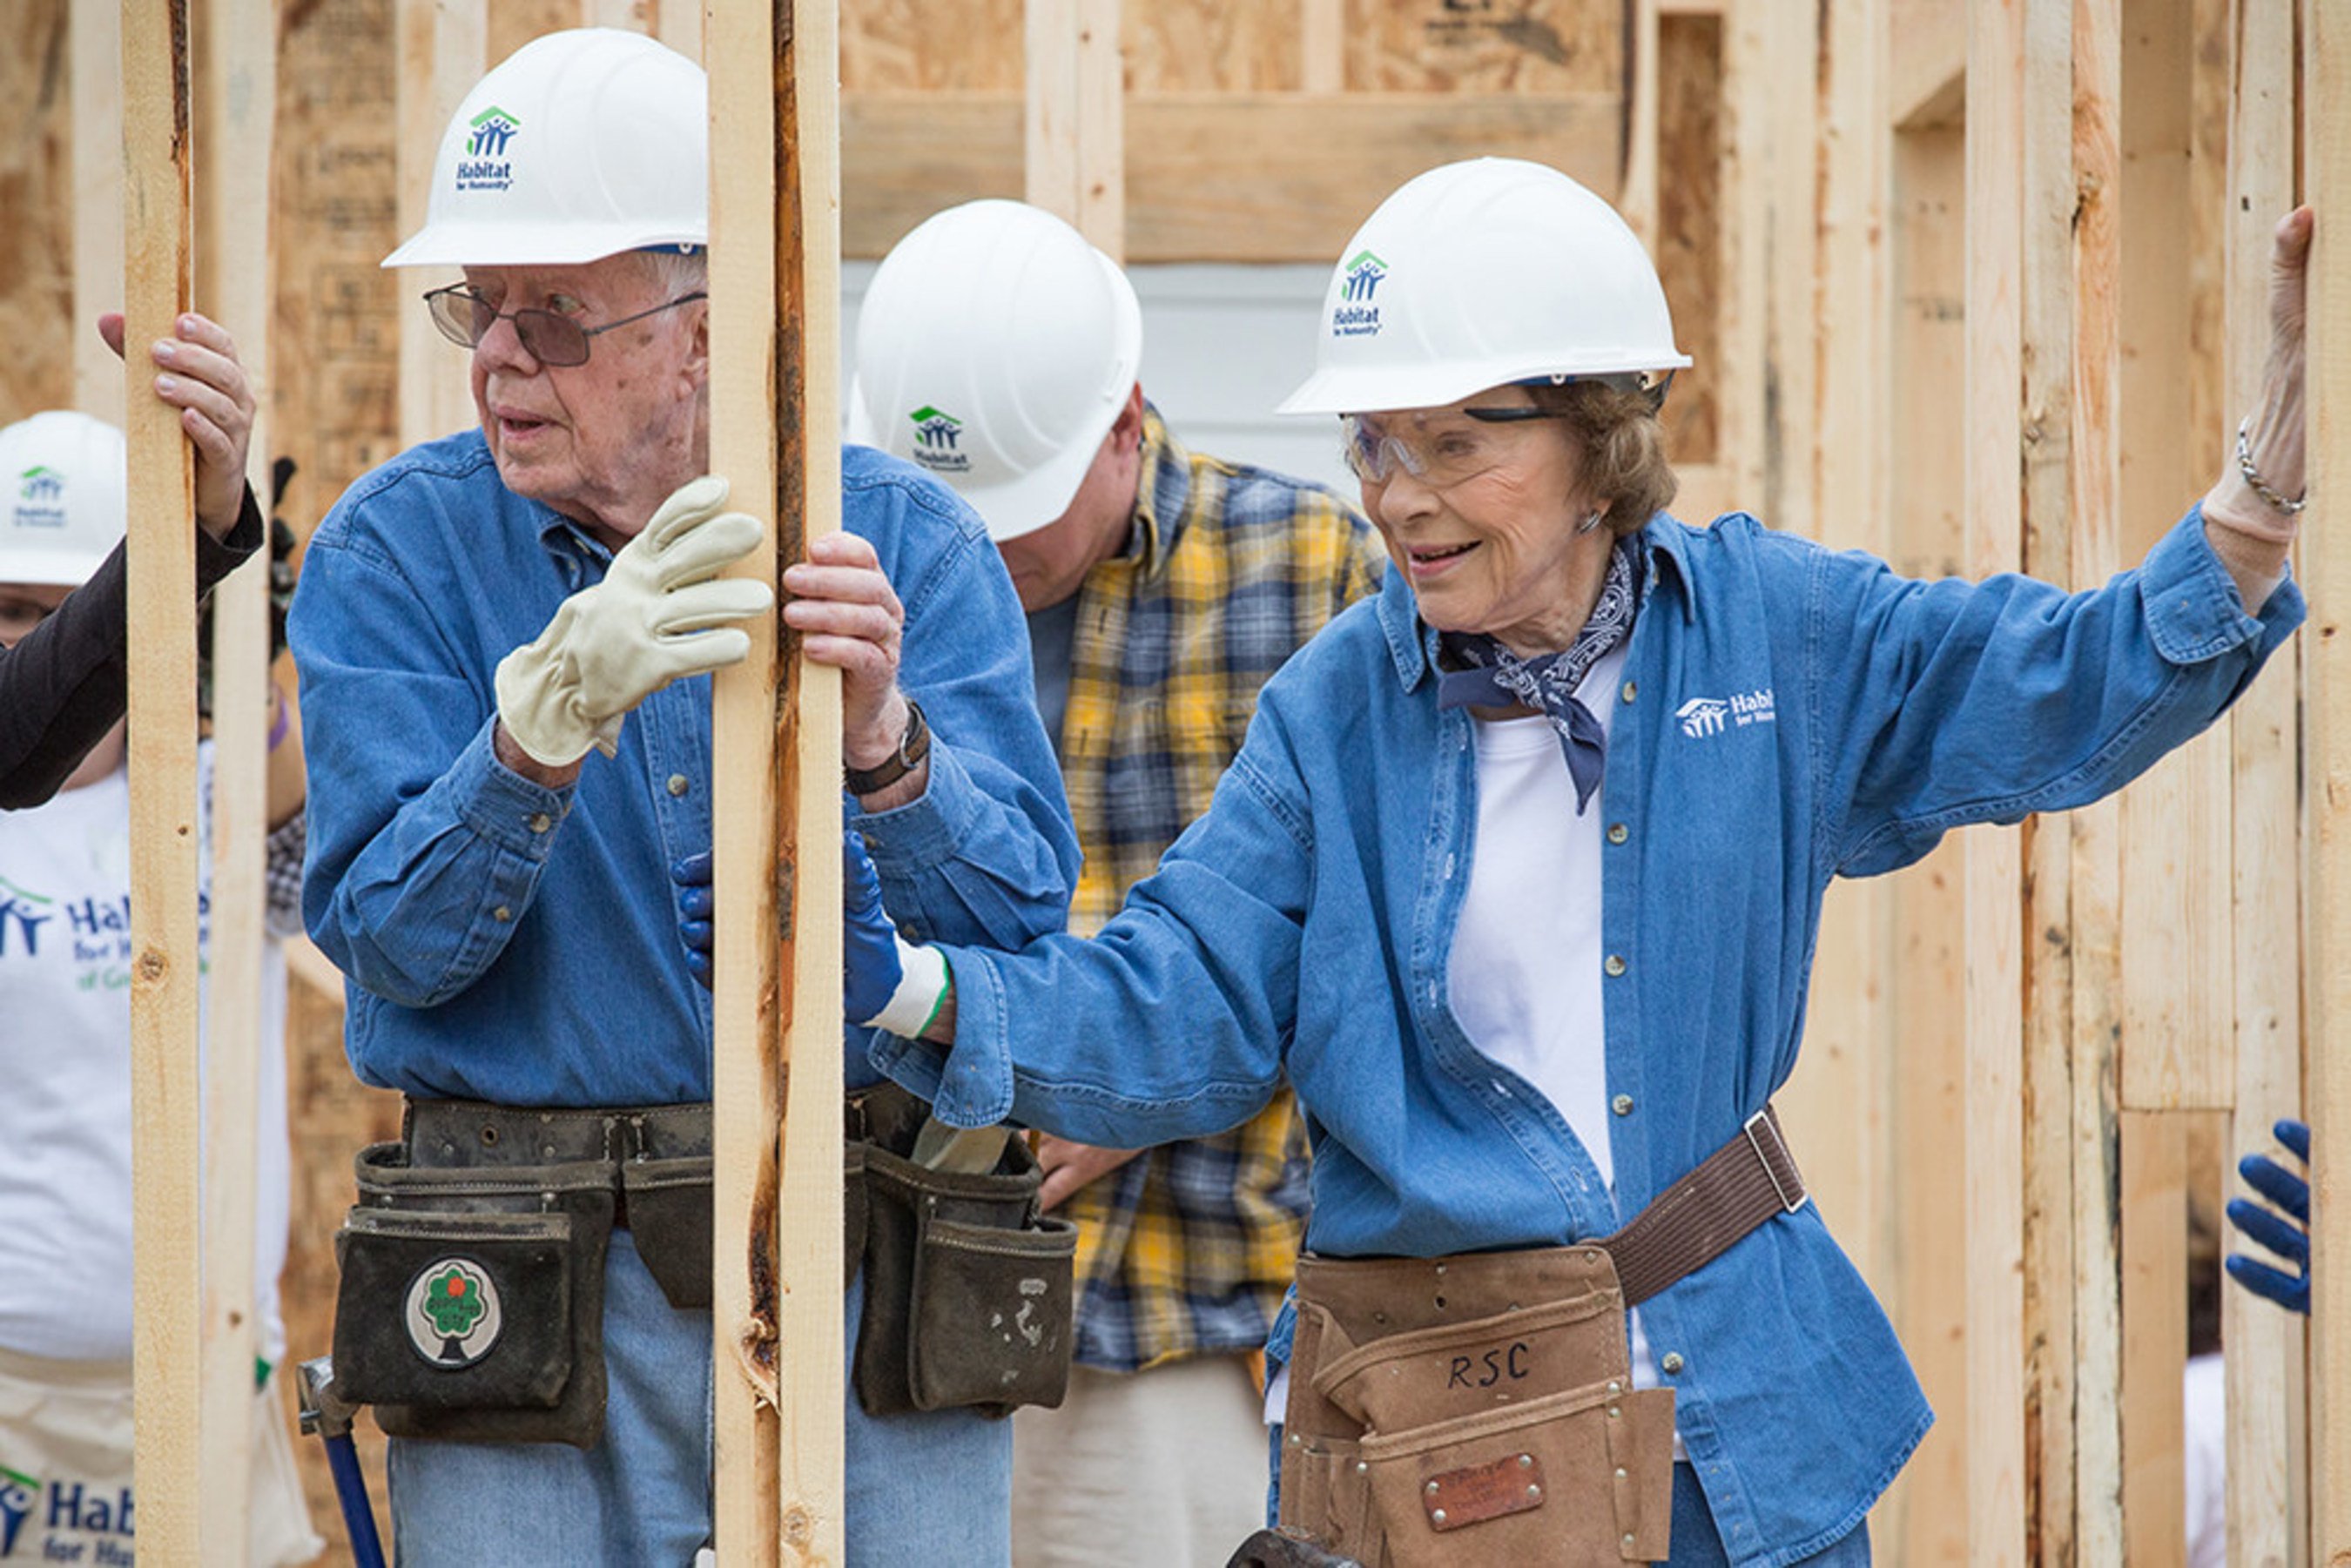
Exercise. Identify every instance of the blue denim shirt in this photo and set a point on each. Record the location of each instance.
(512, 943)
(1787, 714)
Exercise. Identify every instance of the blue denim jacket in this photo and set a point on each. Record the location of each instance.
(1787, 714)
(516, 943)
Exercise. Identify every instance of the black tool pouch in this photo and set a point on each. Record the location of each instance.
(967, 1289)
(471, 1300)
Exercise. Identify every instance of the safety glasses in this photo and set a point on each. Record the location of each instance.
(1440, 450)
(465, 318)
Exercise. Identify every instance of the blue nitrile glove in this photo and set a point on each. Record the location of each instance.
(871, 970)
(2278, 1233)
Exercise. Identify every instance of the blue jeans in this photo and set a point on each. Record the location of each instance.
(922, 1489)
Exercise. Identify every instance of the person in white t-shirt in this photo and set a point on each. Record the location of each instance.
(66, 1492)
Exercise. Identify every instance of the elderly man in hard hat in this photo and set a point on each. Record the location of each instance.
(63, 687)
(1517, 880)
(1163, 587)
(68, 1491)
(525, 1285)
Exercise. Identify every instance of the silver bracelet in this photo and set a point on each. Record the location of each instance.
(2254, 478)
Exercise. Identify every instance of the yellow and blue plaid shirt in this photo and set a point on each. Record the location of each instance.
(1187, 1248)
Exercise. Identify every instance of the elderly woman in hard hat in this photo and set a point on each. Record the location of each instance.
(1517, 880)
(63, 687)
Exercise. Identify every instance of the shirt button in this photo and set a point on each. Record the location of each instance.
(1618, 832)
(1632, 690)
(502, 915)
(539, 822)
(1621, 1104)
(678, 784)
(1671, 1361)
(1615, 964)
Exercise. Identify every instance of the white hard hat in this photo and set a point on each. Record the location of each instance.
(1480, 274)
(583, 144)
(995, 348)
(61, 512)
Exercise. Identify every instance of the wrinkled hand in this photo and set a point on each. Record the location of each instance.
(2277, 433)
(1069, 1166)
(2279, 1233)
(658, 616)
(869, 968)
(850, 617)
(201, 379)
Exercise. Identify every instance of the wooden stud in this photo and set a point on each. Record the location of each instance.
(238, 100)
(1323, 44)
(775, 350)
(1992, 873)
(2326, 715)
(166, 1106)
(440, 47)
(2263, 1345)
(1637, 197)
(96, 41)
(2154, 1289)
(1075, 120)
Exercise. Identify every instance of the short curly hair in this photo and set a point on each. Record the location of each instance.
(1620, 446)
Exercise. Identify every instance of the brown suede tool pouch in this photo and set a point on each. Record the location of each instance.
(1471, 1410)
(471, 1305)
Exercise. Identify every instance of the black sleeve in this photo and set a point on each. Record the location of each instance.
(63, 686)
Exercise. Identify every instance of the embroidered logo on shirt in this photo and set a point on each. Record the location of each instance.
(452, 1313)
(1702, 718)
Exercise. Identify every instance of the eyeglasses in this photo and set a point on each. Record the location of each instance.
(1452, 449)
(465, 318)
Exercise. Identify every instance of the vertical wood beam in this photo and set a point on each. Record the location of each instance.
(1076, 121)
(1991, 862)
(166, 1109)
(1638, 200)
(2326, 681)
(2263, 1346)
(2081, 1518)
(441, 46)
(94, 41)
(2155, 1283)
(236, 101)
(1322, 44)
(774, 336)
(680, 26)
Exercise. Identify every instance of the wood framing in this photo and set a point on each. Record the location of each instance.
(96, 36)
(1074, 123)
(2326, 717)
(1997, 35)
(441, 49)
(166, 1106)
(774, 202)
(236, 99)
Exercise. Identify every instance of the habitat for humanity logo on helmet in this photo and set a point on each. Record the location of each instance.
(935, 433)
(1356, 316)
(19, 1494)
(40, 497)
(486, 166)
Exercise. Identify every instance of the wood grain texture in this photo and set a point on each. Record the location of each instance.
(98, 238)
(1200, 186)
(442, 50)
(38, 300)
(1074, 119)
(1688, 244)
(166, 1102)
(1475, 48)
(1991, 873)
(2326, 749)
(2154, 1223)
(2264, 1347)
(236, 102)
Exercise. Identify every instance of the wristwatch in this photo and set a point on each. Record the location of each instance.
(913, 746)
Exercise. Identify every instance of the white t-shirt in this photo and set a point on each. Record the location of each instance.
(64, 1083)
(2204, 1460)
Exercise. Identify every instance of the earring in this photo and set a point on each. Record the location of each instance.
(1588, 524)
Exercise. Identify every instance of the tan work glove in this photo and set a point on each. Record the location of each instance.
(658, 616)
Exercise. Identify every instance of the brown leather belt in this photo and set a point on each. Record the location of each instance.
(1695, 1221)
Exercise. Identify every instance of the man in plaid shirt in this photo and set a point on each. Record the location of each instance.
(997, 348)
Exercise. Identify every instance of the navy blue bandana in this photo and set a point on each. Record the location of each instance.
(1491, 675)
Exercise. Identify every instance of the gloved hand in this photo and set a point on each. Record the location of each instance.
(872, 970)
(657, 616)
(2290, 1241)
